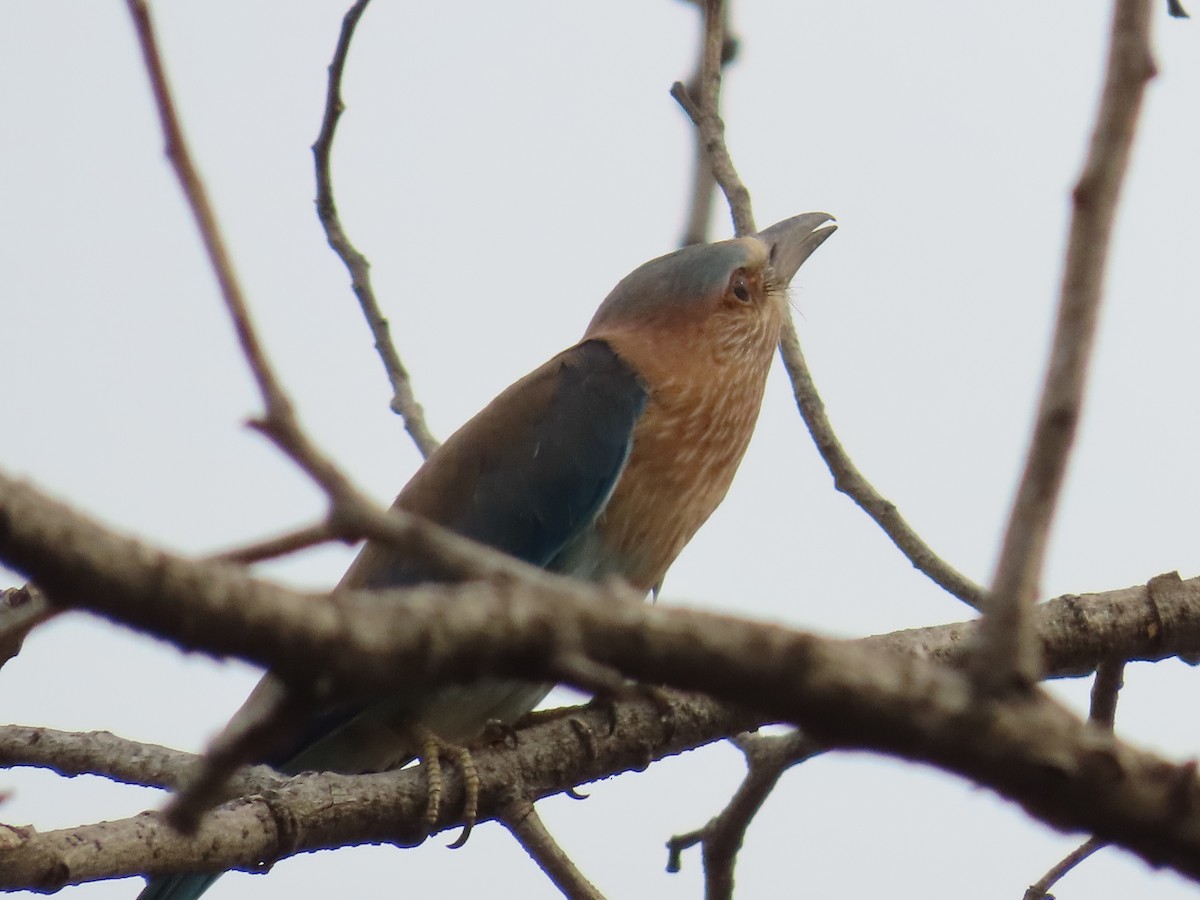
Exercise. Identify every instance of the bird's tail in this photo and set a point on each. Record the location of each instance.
(187, 886)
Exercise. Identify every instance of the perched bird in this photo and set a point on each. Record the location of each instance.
(603, 462)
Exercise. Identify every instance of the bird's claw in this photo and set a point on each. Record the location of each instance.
(433, 751)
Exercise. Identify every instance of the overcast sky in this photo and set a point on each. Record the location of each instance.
(503, 165)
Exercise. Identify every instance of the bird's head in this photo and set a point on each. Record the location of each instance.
(726, 297)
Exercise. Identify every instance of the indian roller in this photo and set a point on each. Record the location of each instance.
(603, 462)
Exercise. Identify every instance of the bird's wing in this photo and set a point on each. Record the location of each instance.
(530, 472)
(526, 475)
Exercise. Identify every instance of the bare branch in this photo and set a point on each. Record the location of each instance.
(279, 422)
(219, 608)
(704, 111)
(767, 758)
(700, 207)
(1106, 687)
(845, 694)
(1008, 656)
(1110, 678)
(404, 403)
(282, 545)
(197, 198)
(851, 482)
(1039, 890)
(526, 826)
(312, 812)
(116, 758)
(281, 717)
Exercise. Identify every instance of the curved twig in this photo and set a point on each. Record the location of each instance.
(851, 482)
(767, 758)
(704, 111)
(278, 423)
(404, 402)
(700, 206)
(1039, 890)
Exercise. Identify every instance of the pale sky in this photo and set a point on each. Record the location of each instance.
(503, 165)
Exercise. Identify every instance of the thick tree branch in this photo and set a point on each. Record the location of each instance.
(842, 693)
(404, 403)
(1008, 653)
(317, 811)
(221, 609)
(119, 759)
(1075, 632)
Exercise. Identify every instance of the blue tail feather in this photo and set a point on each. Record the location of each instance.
(187, 886)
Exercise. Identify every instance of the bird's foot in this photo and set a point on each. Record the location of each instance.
(433, 751)
(656, 694)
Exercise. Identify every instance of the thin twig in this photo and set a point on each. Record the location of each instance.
(349, 509)
(700, 208)
(850, 481)
(767, 758)
(722, 837)
(704, 111)
(711, 132)
(245, 738)
(282, 545)
(1008, 654)
(1038, 891)
(527, 827)
(279, 423)
(1106, 687)
(404, 403)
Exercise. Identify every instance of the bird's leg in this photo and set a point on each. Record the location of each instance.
(433, 750)
(431, 760)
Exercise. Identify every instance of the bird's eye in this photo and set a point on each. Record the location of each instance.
(739, 286)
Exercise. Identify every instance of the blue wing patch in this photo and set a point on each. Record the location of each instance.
(529, 472)
(527, 476)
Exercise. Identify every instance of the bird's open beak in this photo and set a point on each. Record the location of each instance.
(793, 240)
